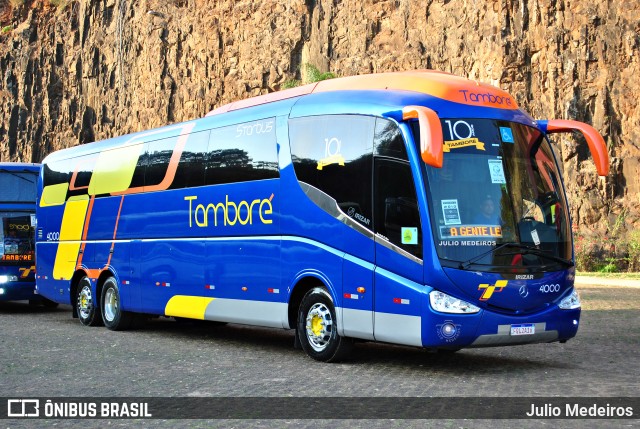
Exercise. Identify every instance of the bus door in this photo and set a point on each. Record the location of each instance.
(398, 250)
(358, 290)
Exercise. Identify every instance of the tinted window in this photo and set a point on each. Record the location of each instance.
(57, 172)
(138, 178)
(388, 140)
(334, 155)
(81, 169)
(17, 186)
(190, 172)
(243, 152)
(396, 206)
(159, 153)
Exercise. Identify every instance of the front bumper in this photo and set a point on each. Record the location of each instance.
(490, 329)
(18, 291)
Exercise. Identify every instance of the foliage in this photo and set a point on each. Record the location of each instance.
(313, 74)
(291, 83)
(616, 250)
(634, 250)
(6, 29)
(16, 3)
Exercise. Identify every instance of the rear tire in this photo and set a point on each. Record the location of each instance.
(86, 305)
(113, 316)
(318, 329)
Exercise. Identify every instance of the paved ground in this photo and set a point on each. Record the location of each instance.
(602, 281)
(47, 353)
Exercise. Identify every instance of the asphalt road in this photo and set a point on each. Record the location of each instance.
(47, 353)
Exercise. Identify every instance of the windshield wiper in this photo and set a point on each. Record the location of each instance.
(523, 250)
(530, 250)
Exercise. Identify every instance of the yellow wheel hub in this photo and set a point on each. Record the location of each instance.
(316, 325)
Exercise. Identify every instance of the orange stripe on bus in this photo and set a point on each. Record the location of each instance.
(74, 176)
(115, 230)
(85, 231)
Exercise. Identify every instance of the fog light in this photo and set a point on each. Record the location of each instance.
(1, 291)
(449, 330)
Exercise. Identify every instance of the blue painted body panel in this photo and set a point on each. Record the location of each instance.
(161, 249)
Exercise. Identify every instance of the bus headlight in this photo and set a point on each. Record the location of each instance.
(7, 279)
(570, 302)
(444, 303)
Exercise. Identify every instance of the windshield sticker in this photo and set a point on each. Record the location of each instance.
(535, 237)
(506, 135)
(460, 130)
(332, 153)
(451, 212)
(409, 235)
(496, 171)
(470, 231)
(453, 243)
(457, 144)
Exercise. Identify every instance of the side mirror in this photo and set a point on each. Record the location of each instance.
(430, 133)
(596, 143)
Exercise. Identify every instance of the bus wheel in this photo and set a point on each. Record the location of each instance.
(112, 315)
(318, 330)
(88, 313)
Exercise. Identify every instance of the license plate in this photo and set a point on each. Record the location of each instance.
(523, 329)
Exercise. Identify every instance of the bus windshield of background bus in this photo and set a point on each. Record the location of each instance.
(17, 227)
(17, 237)
(499, 184)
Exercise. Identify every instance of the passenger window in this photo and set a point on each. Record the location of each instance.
(158, 156)
(242, 152)
(57, 172)
(388, 140)
(396, 206)
(334, 155)
(138, 177)
(190, 172)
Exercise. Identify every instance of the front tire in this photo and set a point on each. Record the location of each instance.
(112, 315)
(86, 305)
(318, 329)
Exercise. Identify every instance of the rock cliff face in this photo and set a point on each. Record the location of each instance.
(86, 70)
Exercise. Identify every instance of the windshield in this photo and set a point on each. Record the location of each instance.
(16, 237)
(497, 201)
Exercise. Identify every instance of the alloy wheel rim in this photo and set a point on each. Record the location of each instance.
(319, 325)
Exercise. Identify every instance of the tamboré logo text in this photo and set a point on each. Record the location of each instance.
(229, 212)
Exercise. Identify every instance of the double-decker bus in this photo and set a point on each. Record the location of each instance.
(414, 208)
(18, 182)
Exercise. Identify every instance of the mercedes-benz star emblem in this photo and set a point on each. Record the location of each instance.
(524, 291)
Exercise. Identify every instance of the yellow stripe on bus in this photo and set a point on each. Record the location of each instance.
(191, 307)
(54, 195)
(71, 229)
(114, 170)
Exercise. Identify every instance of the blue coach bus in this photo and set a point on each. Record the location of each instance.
(18, 183)
(414, 208)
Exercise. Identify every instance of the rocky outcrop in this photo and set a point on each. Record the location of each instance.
(90, 69)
